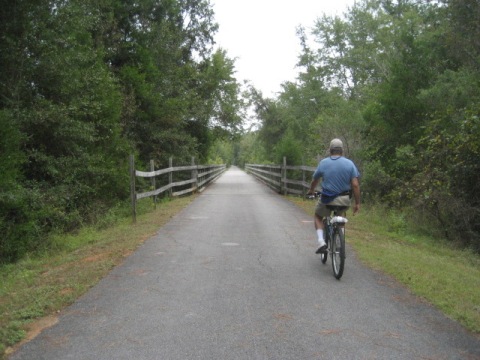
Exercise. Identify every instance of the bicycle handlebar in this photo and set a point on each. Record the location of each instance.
(315, 195)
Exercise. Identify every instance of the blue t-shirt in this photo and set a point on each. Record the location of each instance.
(336, 173)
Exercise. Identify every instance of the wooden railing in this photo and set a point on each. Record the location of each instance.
(199, 177)
(283, 178)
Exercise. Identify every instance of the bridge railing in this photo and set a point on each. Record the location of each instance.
(285, 179)
(193, 178)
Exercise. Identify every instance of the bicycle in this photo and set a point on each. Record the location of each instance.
(334, 230)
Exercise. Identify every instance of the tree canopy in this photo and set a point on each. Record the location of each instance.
(84, 84)
(399, 82)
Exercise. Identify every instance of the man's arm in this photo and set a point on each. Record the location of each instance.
(356, 194)
(313, 186)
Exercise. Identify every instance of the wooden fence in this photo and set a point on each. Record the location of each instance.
(199, 177)
(283, 178)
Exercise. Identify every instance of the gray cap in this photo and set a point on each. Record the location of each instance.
(336, 143)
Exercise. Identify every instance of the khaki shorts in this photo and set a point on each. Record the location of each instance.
(343, 201)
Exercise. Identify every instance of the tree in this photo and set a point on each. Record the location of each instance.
(95, 82)
(463, 35)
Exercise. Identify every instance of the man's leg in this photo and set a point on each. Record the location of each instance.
(320, 229)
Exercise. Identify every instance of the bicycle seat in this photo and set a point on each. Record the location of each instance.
(337, 208)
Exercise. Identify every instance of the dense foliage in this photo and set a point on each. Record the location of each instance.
(399, 82)
(85, 83)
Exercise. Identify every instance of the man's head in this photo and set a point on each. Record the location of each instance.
(336, 147)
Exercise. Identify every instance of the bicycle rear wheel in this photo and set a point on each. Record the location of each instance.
(338, 252)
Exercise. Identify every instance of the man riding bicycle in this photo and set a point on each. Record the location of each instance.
(339, 182)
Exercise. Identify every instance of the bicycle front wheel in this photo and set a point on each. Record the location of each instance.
(338, 252)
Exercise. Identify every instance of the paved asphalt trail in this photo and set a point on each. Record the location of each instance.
(234, 276)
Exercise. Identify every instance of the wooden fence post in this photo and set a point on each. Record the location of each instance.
(194, 177)
(132, 188)
(304, 193)
(170, 176)
(284, 176)
(152, 169)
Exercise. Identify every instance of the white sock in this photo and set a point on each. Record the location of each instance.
(321, 241)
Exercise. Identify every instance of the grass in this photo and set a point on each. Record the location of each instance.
(444, 275)
(35, 289)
